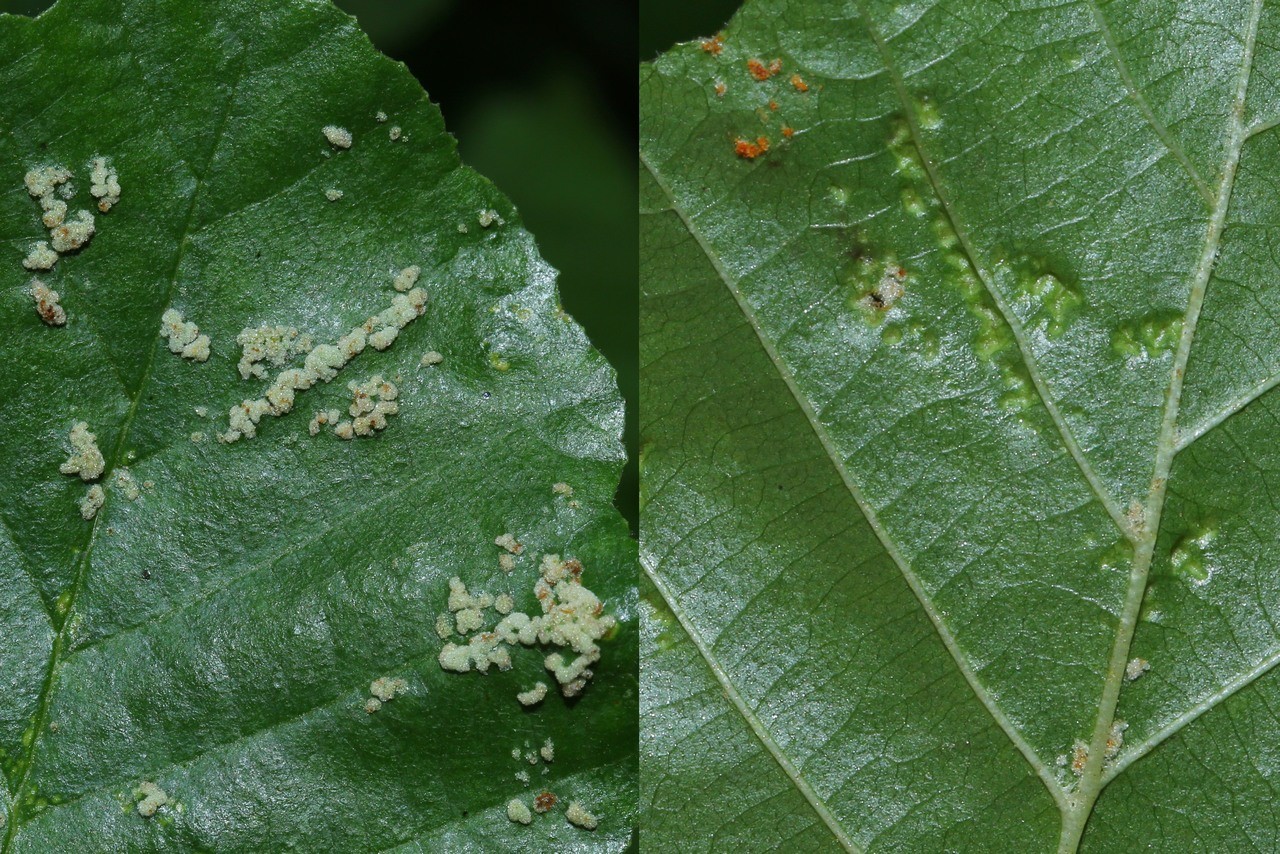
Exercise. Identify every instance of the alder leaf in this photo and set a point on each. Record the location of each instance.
(215, 629)
(958, 345)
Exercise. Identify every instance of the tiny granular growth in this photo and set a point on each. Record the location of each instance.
(522, 776)
(406, 278)
(333, 194)
(488, 217)
(85, 460)
(1135, 668)
(720, 89)
(125, 483)
(504, 604)
(518, 811)
(275, 345)
(371, 705)
(469, 620)
(1079, 757)
(580, 817)
(92, 502)
(40, 257)
(562, 488)
(337, 137)
(322, 418)
(372, 403)
(72, 235)
(385, 689)
(394, 133)
(762, 72)
(548, 750)
(47, 304)
(534, 695)
(545, 801)
(748, 150)
(886, 293)
(515, 753)
(55, 213)
(444, 626)
(42, 181)
(150, 798)
(798, 82)
(322, 364)
(380, 117)
(104, 183)
(431, 357)
(714, 45)
(184, 338)
(509, 542)
(197, 437)
(1115, 740)
(507, 562)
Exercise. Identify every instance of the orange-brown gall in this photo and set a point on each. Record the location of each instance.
(714, 45)
(720, 89)
(544, 801)
(788, 132)
(748, 150)
(762, 72)
(773, 105)
(798, 82)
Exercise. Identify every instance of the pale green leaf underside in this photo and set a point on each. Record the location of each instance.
(218, 634)
(901, 546)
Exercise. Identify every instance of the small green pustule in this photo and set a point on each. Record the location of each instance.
(913, 204)
(1190, 557)
(1117, 558)
(1058, 304)
(906, 158)
(1148, 337)
(947, 238)
(927, 115)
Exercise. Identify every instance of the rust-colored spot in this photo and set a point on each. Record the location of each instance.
(773, 105)
(788, 132)
(544, 801)
(798, 82)
(763, 72)
(720, 89)
(714, 45)
(748, 150)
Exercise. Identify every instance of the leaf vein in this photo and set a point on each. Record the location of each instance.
(753, 721)
(1108, 502)
(855, 491)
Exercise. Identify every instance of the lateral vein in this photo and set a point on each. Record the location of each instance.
(828, 445)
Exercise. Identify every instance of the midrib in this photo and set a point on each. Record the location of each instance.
(829, 448)
(1092, 780)
(1078, 805)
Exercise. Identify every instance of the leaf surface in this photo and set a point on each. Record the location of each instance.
(218, 633)
(957, 345)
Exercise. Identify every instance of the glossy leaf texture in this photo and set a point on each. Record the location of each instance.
(215, 629)
(958, 346)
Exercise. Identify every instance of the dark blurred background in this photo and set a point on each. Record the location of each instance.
(665, 22)
(503, 72)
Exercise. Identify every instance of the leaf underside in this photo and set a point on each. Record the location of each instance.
(218, 635)
(958, 352)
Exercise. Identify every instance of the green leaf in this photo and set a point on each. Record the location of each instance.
(922, 473)
(215, 629)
